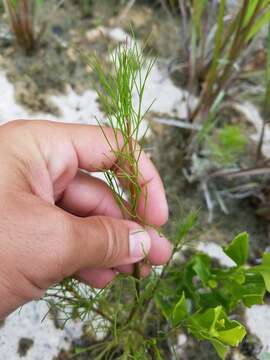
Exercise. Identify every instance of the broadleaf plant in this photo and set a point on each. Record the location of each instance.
(134, 316)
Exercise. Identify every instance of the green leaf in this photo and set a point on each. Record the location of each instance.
(215, 326)
(164, 305)
(234, 335)
(201, 267)
(180, 311)
(253, 290)
(207, 320)
(238, 249)
(264, 270)
(185, 226)
(238, 277)
(250, 11)
(198, 10)
(221, 349)
(259, 24)
(250, 292)
(213, 284)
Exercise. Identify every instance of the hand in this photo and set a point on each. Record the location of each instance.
(57, 221)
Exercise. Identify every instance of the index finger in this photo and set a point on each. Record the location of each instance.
(94, 148)
(152, 204)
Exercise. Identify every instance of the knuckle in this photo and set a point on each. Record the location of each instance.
(111, 241)
(20, 128)
(67, 246)
(25, 126)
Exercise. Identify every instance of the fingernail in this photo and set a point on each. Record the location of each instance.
(139, 244)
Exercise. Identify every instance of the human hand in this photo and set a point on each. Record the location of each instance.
(57, 221)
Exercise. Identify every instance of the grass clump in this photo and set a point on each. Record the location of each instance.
(227, 145)
(215, 40)
(22, 16)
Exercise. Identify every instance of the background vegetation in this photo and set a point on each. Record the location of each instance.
(216, 174)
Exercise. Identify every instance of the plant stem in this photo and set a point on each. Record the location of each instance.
(75, 293)
(133, 196)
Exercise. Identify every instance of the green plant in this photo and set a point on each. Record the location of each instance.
(205, 304)
(218, 51)
(213, 63)
(227, 145)
(22, 16)
(86, 6)
(116, 97)
(135, 316)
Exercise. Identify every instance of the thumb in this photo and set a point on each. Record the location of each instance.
(104, 242)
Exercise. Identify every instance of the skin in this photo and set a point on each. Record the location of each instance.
(57, 221)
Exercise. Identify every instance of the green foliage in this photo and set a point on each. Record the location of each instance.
(227, 144)
(212, 63)
(200, 296)
(197, 295)
(264, 270)
(214, 325)
(238, 250)
(180, 311)
(261, 20)
(130, 71)
(86, 6)
(197, 13)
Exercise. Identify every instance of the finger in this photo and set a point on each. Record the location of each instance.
(152, 205)
(97, 278)
(103, 242)
(152, 208)
(61, 244)
(87, 195)
(67, 147)
(159, 253)
(161, 249)
(100, 278)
